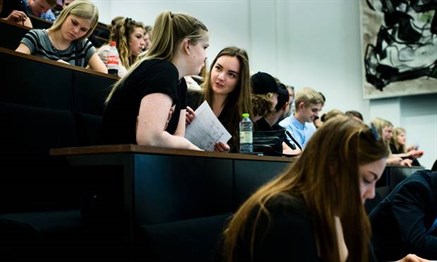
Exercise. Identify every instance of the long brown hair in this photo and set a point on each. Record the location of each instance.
(326, 176)
(238, 101)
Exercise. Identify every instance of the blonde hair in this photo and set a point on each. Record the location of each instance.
(394, 139)
(308, 96)
(169, 30)
(81, 8)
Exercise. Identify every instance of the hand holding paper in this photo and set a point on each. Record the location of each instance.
(205, 129)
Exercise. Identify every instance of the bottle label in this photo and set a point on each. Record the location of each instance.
(112, 60)
(246, 137)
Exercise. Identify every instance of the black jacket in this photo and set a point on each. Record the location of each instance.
(401, 223)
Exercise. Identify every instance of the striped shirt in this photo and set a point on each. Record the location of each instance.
(78, 53)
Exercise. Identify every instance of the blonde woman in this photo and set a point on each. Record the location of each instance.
(66, 40)
(148, 105)
(398, 146)
(385, 130)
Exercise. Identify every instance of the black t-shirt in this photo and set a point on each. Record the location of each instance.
(286, 234)
(151, 76)
(196, 98)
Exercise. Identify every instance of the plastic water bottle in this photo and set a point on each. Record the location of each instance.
(246, 133)
(113, 59)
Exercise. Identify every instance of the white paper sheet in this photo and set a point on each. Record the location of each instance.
(206, 130)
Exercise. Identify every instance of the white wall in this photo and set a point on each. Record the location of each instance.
(314, 43)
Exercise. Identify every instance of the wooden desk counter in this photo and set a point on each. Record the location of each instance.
(163, 185)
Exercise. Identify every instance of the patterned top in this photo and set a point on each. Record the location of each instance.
(78, 53)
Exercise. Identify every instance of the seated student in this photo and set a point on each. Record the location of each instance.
(40, 8)
(270, 120)
(405, 221)
(308, 104)
(227, 91)
(356, 114)
(398, 146)
(318, 121)
(290, 109)
(314, 210)
(264, 95)
(13, 11)
(129, 37)
(147, 37)
(66, 40)
(330, 114)
(148, 105)
(385, 130)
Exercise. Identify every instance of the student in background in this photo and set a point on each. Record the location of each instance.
(290, 110)
(328, 115)
(227, 91)
(398, 144)
(355, 114)
(129, 37)
(385, 130)
(66, 40)
(308, 104)
(264, 95)
(148, 105)
(270, 121)
(318, 121)
(40, 8)
(147, 37)
(114, 21)
(405, 221)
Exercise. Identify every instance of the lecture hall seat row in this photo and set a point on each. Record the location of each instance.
(46, 104)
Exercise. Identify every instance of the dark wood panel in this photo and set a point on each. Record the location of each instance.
(40, 23)
(162, 185)
(40, 82)
(11, 34)
(249, 176)
(28, 81)
(172, 188)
